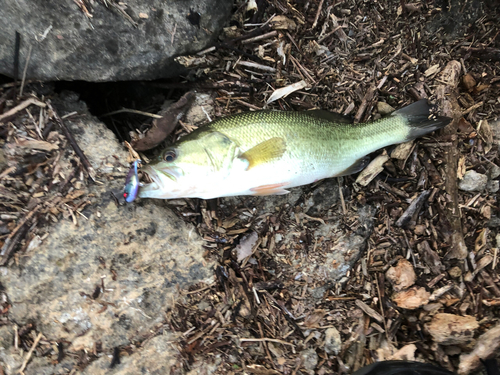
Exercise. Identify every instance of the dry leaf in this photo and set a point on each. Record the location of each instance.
(282, 23)
(486, 134)
(468, 82)
(461, 168)
(252, 5)
(482, 239)
(245, 247)
(287, 90)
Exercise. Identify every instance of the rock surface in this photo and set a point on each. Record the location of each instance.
(139, 42)
(111, 277)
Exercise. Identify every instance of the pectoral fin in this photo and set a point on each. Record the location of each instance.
(358, 165)
(264, 152)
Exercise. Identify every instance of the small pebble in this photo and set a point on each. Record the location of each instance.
(468, 81)
(333, 341)
(493, 186)
(384, 108)
(309, 359)
(455, 272)
(494, 172)
(473, 181)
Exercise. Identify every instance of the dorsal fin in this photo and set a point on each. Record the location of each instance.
(330, 116)
(264, 152)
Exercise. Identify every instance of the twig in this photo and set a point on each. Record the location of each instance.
(21, 106)
(413, 208)
(320, 6)
(15, 236)
(30, 353)
(72, 141)
(344, 209)
(173, 35)
(254, 65)
(446, 95)
(369, 311)
(25, 70)
(269, 340)
(127, 110)
(366, 100)
(470, 109)
(260, 37)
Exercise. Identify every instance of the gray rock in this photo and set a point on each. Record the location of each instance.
(67, 45)
(6, 337)
(493, 186)
(333, 341)
(494, 172)
(473, 181)
(323, 197)
(158, 356)
(494, 222)
(142, 253)
(309, 359)
(384, 108)
(342, 248)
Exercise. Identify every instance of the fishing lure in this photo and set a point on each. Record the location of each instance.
(132, 183)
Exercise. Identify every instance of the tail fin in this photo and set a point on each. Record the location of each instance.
(420, 120)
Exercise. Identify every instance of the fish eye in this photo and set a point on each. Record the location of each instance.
(169, 156)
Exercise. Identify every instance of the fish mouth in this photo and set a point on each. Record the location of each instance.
(155, 182)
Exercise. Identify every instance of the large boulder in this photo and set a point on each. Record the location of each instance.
(108, 276)
(135, 41)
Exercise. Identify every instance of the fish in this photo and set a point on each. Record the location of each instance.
(268, 152)
(132, 183)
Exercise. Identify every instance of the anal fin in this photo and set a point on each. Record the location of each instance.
(271, 189)
(358, 165)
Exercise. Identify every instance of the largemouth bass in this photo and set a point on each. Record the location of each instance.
(267, 152)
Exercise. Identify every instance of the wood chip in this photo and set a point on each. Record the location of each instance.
(432, 70)
(369, 311)
(450, 329)
(372, 170)
(403, 150)
(487, 345)
(412, 298)
(401, 276)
